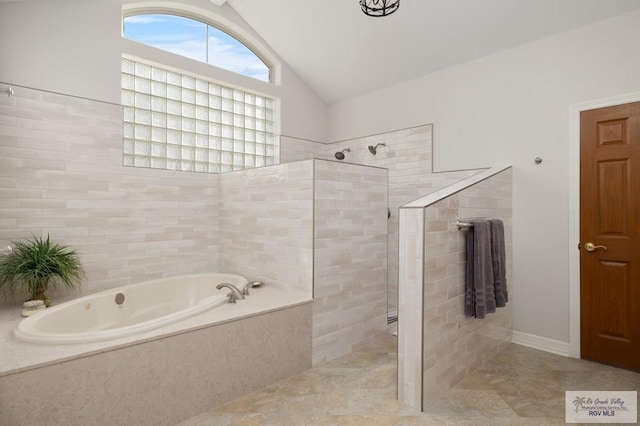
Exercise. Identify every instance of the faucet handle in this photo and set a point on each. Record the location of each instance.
(231, 297)
(253, 284)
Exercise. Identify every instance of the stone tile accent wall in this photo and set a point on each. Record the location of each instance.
(350, 258)
(266, 225)
(455, 345)
(61, 174)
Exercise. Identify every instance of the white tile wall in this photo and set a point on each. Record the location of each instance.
(266, 225)
(408, 157)
(294, 149)
(313, 225)
(61, 173)
(350, 257)
(410, 342)
(455, 345)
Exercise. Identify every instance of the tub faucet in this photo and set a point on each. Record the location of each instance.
(235, 293)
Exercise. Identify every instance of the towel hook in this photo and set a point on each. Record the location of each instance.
(9, 91)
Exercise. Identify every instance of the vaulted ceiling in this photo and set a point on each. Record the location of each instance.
(341, 53)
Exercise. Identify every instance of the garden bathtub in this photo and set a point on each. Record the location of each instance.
(127, 310)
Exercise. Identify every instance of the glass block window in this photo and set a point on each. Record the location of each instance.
(180, 122)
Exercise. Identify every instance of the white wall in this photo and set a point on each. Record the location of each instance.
(73, 47)
(509, 108)
(66, 47)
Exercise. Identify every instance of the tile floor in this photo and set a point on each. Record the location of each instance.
(521, 386)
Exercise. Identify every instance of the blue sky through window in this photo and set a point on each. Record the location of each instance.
(195, 40)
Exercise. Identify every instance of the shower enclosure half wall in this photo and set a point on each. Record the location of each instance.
(407, 155)
(438, 345)
(316, 227)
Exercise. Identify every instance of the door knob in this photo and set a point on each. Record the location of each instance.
(592, 247)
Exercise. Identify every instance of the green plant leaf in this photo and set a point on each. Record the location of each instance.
(39, 261)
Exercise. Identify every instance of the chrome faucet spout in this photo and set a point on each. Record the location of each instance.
(235, 293)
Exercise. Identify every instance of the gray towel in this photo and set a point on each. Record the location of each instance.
(469, 290)
(479, 293)
(499, 261)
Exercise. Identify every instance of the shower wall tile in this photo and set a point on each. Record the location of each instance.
(318, 228)
(455, 345)
(61, 174)
(411, 260)
(294, 149)
(266, 225)
(350, 257)
(408, 158)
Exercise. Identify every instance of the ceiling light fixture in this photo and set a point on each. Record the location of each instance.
(378, 8)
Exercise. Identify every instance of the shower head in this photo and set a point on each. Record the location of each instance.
(374, 149)
(340, 154)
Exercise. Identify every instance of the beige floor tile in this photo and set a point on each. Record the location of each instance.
(520, 386)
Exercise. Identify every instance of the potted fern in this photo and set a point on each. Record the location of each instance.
(34, 265)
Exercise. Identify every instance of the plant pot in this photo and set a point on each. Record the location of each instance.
(38, 293)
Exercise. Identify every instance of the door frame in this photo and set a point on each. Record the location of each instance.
(574, 209)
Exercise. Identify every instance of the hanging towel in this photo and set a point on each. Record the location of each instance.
(499, 261)
(469, 290)
(479, 292)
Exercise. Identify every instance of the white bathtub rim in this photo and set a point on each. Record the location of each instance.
(25, 331)
(17, 356)
(36, 337)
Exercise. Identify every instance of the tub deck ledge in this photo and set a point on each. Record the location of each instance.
(17, 356)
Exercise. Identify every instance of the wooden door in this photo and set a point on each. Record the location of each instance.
(610, 221)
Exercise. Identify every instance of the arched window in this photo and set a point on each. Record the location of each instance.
(178, 120)
(196, 40)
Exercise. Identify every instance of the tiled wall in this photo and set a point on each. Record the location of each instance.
(313, 225)
(266, 225)
(438, 344)
(294, 149)
(454, 344)
(61, 173)
(408, 158)
(350, 257)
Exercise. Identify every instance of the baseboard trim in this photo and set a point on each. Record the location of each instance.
(542, 343)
